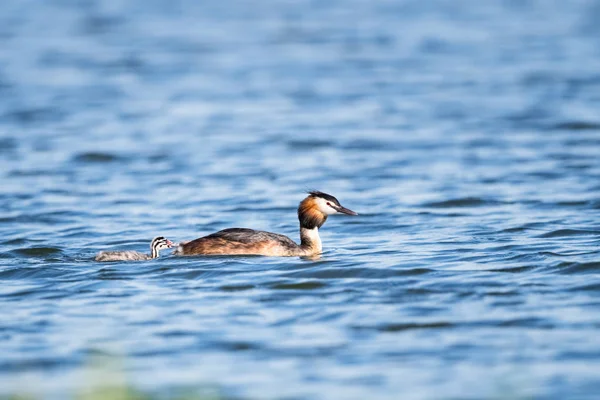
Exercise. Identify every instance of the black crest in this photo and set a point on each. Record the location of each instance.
(325, 196)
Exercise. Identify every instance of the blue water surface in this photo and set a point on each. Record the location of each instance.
(466, 135)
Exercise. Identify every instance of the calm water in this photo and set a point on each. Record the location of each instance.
(466, 134)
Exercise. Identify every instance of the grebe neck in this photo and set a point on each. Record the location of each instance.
(310, 240)
(154, 250)
(311, 219)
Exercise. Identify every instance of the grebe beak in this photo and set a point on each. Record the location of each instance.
(169, 243)
(345, 210)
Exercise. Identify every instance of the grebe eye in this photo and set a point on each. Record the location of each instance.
(329, 204)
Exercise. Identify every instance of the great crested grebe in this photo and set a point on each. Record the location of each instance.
(157, 244)
(312, 213)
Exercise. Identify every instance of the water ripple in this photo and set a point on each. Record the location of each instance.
(461, 202)
(569, 232)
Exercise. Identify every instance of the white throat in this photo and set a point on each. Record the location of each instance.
(310, 238)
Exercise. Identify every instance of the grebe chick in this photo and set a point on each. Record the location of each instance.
(312, 213)
(157, 244)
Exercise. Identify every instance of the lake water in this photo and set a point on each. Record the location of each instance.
(465, 134)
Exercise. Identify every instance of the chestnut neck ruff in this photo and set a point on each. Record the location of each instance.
(311, 219)
(309, 214)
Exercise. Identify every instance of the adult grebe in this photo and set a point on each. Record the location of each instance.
(158, 243)
(312, 213)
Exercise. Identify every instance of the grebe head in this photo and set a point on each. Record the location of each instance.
(314, 210)
(328, 204)
(160, 243)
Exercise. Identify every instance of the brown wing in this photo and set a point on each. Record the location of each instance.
(245, 235)
(237, 241)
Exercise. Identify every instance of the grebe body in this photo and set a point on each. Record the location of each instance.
(312, 214)
(157, 244)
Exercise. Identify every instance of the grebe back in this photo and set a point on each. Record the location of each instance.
(312, 214)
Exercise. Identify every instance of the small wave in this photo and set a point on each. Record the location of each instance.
(399, 327)
(351, 272)
(568, 232)
(37, 251)
(308, 285)
(461, 202)
(96, 157)
(26, 116)
(309, 144)
(591, 287)
(515, 229)
(499, 293)
(8, 144)
(44, 218)
(513, 270)
(553, 254)
(177, 333)
(237, 345)
(577, 126)
(525, 227)
(572, 203)
(236, 288)
(539, 323)
(99, 24)
(413, 271)
(35, 364)
(25, 173)
(568, 268)
(440, 214)
(366, 144)
(16, 241)
(27, 272)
